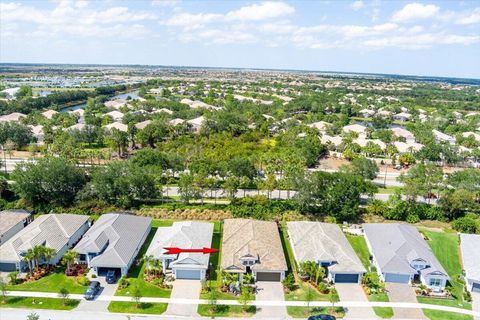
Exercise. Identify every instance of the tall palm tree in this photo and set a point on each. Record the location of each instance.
(148, 259)
(29, 257)
(37, 254)
(70, 257)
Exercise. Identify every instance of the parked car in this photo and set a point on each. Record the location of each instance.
(322, 317)
(92, 290)
(111, 276)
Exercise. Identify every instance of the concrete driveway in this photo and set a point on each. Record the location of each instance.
(95, 305)
(476, 303)
(184, 289)
(354, 292)
(399, 292)
(270, 291)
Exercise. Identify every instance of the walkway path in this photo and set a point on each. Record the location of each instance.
(187, 289)
(347, 304)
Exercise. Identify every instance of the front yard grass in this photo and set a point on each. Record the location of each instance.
(51, 283)
(40, 303)
(440, 315)
(301, 292)
(204, 310)
(304, 312)
(382, 312)
(135, 276)
(446, 247)
(131, 307)
(360, 247)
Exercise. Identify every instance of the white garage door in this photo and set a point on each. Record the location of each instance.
(188, 274)
(397, 278)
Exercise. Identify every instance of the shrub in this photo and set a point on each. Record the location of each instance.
(123, 283)
(322, 287)
(289, 282)
(83, 281)
(468, 224)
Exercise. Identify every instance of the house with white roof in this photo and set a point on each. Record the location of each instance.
(366, 113)
(115, 115)
(12, 117)
(411, 147)
(57, 231)
(117, 125)
(185, 235)
(10, 93)
(442, 137)
(360, 129)
(401, 255)
(320, 126)
(196, 124)
(143, 124)
(325, 244)
(49, 114)
(404, 133)
(469, 245)
(38, 134)
(476, 136)
(13, 221)
(116, 104)
(176, 122)
(402, 116)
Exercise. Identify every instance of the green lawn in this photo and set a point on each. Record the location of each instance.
(382, 312)
(446, 248)
(360, 247)
(301, 292)
(287, 249)
(162, 223)
(51, 283)
(40, 303)
(304, 312)
(135, 275)
(440, 315)
(130, 307)
(226, 311)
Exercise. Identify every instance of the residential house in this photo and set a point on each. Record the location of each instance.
(469, 245)
(113, 242)
(12, 117)
(402, 116)
(476, 136)
(254, 247)
(359, 129)
(410, 147)
(401, 255)
(325, 244)
(116, 104)
(117, 125)
(176, 122)
(400, 132)
(196, 124)
(12, 222)
(320, 126)
(442, 137)
(49, 114)
(186, 235)
(115, 115)
(143, 124)
(366, 113)
(57, 231)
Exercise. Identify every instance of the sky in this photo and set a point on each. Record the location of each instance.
(431, 38)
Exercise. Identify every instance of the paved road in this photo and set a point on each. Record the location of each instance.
(354, 292)
(347, 304)
(270, 291)
(400, 292)
(184, 289)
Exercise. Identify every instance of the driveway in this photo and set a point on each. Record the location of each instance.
(354, 292)
(95, 305)
(399, 292)
(184, 289)
(270, 291)
(476, 302)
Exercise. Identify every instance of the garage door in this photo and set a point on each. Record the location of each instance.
(476, 287)
(103, 271)
(397, 278)
(188, 274)
(346, 278)
(268, 276)
(7, 267)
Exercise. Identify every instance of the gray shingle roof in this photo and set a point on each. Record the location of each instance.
(242, 237)
(316, 241)
(187, 235)
(51, 230)
(470, 245)
(396, 245)
(10, 218)
(121, 234)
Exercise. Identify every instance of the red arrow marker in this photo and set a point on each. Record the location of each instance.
(175, 250)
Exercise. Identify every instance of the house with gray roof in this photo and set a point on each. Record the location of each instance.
(402, 255)
(325, 244)
(57, 231)
(254, 247)
(470, 244)
(12, 221)
(185, 235)
(113, 242)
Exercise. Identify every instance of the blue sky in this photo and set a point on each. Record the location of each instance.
(438, 38)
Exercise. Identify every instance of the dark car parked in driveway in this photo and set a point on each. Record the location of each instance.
(111, 277)
(92, 290)
(322, 317)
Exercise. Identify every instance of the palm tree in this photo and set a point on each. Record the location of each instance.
(37, 254)
(69, 257)
(148, 259)
(29, 257)
(48, 254)
(156, 265)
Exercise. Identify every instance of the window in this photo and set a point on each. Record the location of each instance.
(435, 282)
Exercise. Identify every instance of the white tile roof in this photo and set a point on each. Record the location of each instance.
(470, 244)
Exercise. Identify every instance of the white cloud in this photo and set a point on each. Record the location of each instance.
(193, 21)
(421, 41)
(357, 5)
(473, 18)
(415, 11)
(165, 3)
(262, 11)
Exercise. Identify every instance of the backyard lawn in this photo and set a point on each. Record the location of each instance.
(40, 303)
(130, 307)
(303, 312)
(360, 247)
(51, 283)
(382, 312)
(446, 248)
(226, 311)
(135, 275)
